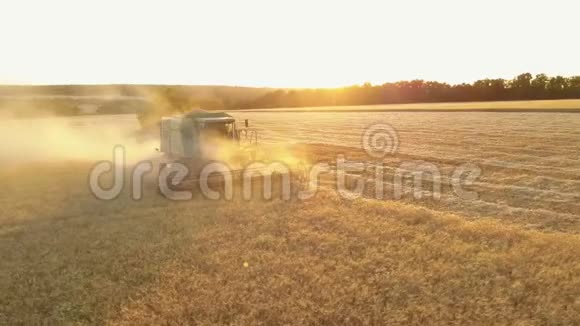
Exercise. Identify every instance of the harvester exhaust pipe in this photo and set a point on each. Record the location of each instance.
(246, 123)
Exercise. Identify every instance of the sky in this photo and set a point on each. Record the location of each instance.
(297, 43)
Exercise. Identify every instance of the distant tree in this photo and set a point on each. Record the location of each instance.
(557, 86)
(573, 87)
(539, 85)
(522, 87)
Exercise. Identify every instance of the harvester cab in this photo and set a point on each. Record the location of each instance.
(197, 138)
(198, 135)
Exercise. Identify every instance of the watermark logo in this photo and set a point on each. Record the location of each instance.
(379, 140)
(215, 180)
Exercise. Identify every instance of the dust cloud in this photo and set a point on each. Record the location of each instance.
(84, 138)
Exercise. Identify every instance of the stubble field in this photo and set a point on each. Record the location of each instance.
(529, 162)
(508, 257)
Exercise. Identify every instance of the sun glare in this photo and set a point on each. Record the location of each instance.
(291, 44)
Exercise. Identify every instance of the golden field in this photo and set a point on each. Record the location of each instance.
(510, 256)
(530, 162)
(70, 258)
(571, 105)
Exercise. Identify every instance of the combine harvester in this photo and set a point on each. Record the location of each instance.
(199, 138)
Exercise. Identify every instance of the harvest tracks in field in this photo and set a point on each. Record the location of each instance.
(530, 162)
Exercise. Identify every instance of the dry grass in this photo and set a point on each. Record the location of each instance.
(68, 258)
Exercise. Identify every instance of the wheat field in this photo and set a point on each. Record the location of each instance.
(509, 257)
(530, 162)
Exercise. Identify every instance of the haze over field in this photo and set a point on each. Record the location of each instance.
(54, 139)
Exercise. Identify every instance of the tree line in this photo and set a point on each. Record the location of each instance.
(522, 87)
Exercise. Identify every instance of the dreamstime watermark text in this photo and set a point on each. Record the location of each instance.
(215, 180)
